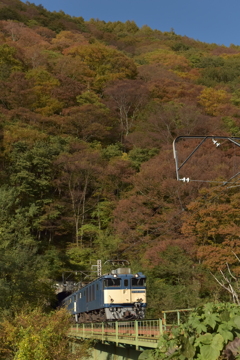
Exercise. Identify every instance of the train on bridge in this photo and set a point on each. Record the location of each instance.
(119, 295)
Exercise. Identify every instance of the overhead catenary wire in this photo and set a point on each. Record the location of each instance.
(220, 184)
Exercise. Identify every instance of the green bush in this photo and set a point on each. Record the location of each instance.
(204, 336)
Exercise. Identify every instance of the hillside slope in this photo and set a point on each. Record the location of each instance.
(88, 114)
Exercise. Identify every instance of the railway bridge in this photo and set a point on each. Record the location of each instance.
(125, 340)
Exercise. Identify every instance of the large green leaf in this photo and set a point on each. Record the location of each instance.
(211, 320)
(236, 321)
(198, 325)
(212, 351)
(205, 339)
(225, 330)
(201, 328)
(225, 315)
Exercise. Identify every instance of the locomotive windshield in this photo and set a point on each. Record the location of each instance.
(111, 282)
(138, 282)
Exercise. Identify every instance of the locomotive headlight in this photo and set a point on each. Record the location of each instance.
(136, 275)
(114, 275)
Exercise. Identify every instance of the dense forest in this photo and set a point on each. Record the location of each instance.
(88, 114)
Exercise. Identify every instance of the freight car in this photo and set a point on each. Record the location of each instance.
(119, 295)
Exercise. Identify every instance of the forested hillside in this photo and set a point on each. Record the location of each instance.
(88, 114)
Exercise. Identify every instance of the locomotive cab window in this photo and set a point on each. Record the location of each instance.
(138, 282)
(111, 282)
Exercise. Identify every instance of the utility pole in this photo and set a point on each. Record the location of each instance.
(99, 268)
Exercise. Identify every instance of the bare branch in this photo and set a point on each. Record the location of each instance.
(229, 286)
(224, 277)
(230, 272)
(221, 284)
(236, 255)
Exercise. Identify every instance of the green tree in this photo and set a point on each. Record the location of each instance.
(138, 156)
(31, 173)
(106, 63)
(176, 282)
(8, 61)
(24, 273)
(8, 13)
(44, 83)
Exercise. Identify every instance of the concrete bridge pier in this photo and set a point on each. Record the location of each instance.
(110, 351)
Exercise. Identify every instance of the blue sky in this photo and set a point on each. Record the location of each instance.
(211, 21)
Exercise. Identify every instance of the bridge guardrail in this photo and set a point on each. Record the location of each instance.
(141, 333)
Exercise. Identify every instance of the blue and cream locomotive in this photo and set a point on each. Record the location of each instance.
(119, 295)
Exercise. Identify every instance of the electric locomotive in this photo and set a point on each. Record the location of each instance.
(119, 295)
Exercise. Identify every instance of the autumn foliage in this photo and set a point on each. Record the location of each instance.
(88, 114)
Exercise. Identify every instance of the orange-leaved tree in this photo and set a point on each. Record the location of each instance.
(212, 221)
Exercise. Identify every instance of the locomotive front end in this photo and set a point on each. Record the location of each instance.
(124, 295)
